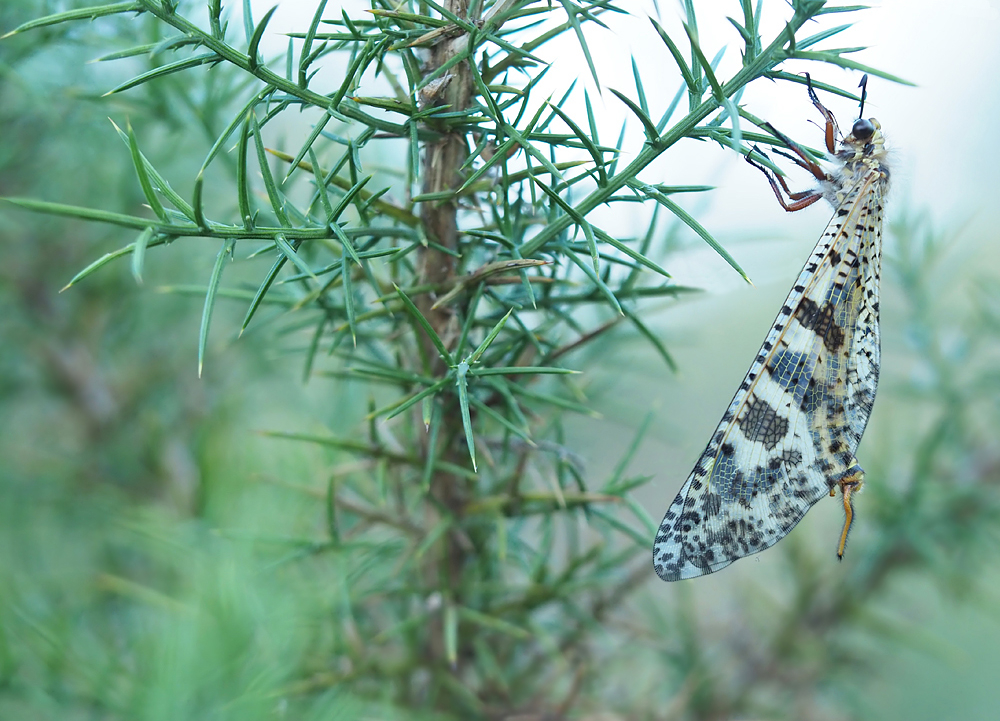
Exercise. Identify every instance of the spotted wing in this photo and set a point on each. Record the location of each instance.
(792, 429)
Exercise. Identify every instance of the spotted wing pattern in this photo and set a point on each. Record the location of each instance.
(791, 432)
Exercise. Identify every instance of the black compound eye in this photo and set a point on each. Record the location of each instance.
(863, 129)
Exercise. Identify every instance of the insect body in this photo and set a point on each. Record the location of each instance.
(791, 432)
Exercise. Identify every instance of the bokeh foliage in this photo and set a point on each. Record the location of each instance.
(436, 549)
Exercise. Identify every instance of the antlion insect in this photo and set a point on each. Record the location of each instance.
(790, 434)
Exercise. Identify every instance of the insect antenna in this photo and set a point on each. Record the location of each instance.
(864, 94)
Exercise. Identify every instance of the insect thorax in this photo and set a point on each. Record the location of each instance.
(863, 162)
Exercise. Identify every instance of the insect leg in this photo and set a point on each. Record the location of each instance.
(801, 157)
(794, 158)
(805, 160)
(800, 200)
(849, 485)
(832, 130)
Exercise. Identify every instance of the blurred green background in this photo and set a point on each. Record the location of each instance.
(129, 487)
(151, 565)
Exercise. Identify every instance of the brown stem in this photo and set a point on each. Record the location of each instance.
(442, 162)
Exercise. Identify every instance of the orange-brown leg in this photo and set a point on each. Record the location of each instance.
(848, 487)
(799, 200)
(832, 130)
(806, 160)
